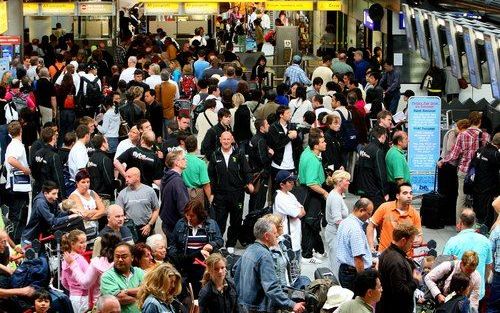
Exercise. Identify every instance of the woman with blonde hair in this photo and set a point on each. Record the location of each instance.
(237, 99)
(159, 288)
(218, 293)
(336, 211)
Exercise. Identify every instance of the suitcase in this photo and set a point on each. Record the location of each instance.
(433, 210)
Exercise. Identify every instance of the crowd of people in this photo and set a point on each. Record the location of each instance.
(104, 147)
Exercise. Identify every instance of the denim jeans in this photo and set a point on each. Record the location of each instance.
(66, 124)
(18, 212)
(494, 301)
(112, 143)
(347, 274)
(4, 141)
(392, 101)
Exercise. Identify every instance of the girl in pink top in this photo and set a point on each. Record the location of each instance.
(73, 245)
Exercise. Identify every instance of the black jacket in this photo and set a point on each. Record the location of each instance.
(277, 140)
(131, 113)
(47, 165)
(154, 113)
(213, 301)
(396, 272)
(101, 171)
(231, 178)
(241, 129)
(258, 155)
(487, 165)
(372, 180)
(333, 153)
(211, 141)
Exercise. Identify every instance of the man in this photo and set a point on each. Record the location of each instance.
(78, 157)
(318, 107)
(494, 299)
(312, 175)
(255, 279)
(200, 65)
(180, 127)
(398, 274)
(195, 176)
(280, 140)
(368, 288)
(231, 82)
(270, 107)
(174, 194)
(229, 175)
(16, 161)
(384, 120)
(116, 219)
(123, 280)
(45, 94)
(259, 159)
(324, 72)
(313, 90)
(138, 80)
(391, 83)
(398, 171)
(469, 239)
(331, 89)
(31, 71)
(360, 67)
(372, 176)
(393, 213)
(46, 163)
(128, 73)
(154, 76)
(341, 67)
(140, 204)
(133, 139)
(101, 170)
(214, 93)
(212, 139)
(202, 94)
(463, 151)
(167, 94)
(214, 69)
(353, 251)
(108, 304)
(144, 158)
(45, 213)
(154, 112)
(295, 74)
(206, 120)
(58, 67)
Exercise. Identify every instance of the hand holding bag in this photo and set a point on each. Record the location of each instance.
(20, 182)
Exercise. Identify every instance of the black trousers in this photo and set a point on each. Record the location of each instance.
(448, 187)
(311, 225)
(18, 212)
(483, 208)
(229, 203)
(258, 199)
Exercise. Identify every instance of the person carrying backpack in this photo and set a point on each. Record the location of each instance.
(187, 84)
(458, 303)
(92, 91)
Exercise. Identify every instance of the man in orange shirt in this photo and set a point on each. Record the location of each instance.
(393, 213)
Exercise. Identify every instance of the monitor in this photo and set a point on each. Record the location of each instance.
(422, 39)
(453, 48)
(410, 35)
(437, 52)
(471, 53)
(491, 47)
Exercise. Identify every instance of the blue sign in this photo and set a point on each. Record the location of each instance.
(402, 24)
(424, 133)
(368, 22)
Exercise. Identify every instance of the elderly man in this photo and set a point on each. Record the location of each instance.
(140, 204)
(128, 73)
(116, 219)
(295, 74)
(123, 280)
(108, 304)
(255, 278)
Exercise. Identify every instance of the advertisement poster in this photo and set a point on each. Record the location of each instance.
(424, 134)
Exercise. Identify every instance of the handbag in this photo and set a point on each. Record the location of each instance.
(462, 83)
(69, 102)
(20, 182)
(124, 128)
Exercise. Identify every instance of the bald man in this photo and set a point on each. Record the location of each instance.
(340, 66)
(116, 219)
(144, 158)
(140, 203)
(108, 304)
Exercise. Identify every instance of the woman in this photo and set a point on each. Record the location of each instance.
(332, 156)
(446, 270)
(194, 237)
(259, 70)
(110, 126)
(243, 117)
(64, 93)
(300, 105)
(237, 99)
(292, 92)
(259, 34)
(336, 211)
(218, 293)
(175, 67)
(6, 78)
(143, 257)
(158, 244)
(131, 111)
(88, 203)
(159, 288)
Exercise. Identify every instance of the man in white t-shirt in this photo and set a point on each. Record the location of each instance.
(17, 201)
(128, 73)
(78, 157)
(287, 205)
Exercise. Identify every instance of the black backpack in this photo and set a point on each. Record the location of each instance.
(452, 305)
(349, 132)
(93, 94)
(199, 109)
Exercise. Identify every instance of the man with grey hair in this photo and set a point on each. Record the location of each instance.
(108, 304)
(46, 96)
(340, 66)
(128, 73)
(360, 67)
(154, 76)
(255, 277)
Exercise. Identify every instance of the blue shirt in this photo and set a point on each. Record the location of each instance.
(495, 246)
(467, 240)
(230, 83)
(352, 241)
(296, 75)
(199, 67)
(282, 100)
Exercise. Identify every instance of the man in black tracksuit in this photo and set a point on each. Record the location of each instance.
(47, 163)
(229, 174)
(259, 157)
(372, 177)
(211, 141)
(101, 169)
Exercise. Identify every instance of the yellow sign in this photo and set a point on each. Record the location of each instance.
(160, 8)
(201, 8)
(329, 5)
(289, 5)
(192, 1)
(30, 9)
(100, 8)
(57, 9)
(3, 17)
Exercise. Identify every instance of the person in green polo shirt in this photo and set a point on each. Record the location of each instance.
(395, 160)
(312, 175)
(123, 280)
(195, 176)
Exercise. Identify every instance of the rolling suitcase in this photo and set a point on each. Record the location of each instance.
(432, 210)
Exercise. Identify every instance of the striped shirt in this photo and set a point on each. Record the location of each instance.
(352, 241)
(197, 237)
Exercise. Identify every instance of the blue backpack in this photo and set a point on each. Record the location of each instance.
(349, 132)
(35, 273)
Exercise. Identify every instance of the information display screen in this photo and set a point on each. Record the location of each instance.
(491, 47)
(436, 45)
(422, 40)
(410, 34)
(472, 61)
(453, 48)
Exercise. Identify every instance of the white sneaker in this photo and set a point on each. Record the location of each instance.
(312, 260)
(320, 256)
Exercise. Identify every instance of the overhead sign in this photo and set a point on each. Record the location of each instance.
(3, 17)
(160, 8)
(491, 47)
(57, 9)
(451, 38)
(31, 9)
(422, 39)
(329, 5)
(471, 52)
(191, 1)
(410, 35)
(424, 133)
(436, 45)
(368, 22)
(96, 8)
(289, 6)
(10, 40)
(201, 8)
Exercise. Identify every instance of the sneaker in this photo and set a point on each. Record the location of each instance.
(320, 256)
(312, 260)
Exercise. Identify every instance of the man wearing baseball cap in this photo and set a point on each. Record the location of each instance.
(295, 74)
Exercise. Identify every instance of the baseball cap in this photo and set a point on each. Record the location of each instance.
(297, 59)
(284, 176)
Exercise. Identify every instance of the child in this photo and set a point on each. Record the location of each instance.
(457, 300)
(73, 245)
(42, 301)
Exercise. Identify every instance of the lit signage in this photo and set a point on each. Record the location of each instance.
(491, 47)
(329, 5)
(436, 45)
(410, 35)
(472, 61)
(451, 33)
(368, 22)
(422, 40)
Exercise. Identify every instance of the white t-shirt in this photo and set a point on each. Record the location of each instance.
(127, 74)
(16, 150)
(153, 80)
(218, 103)
(77, 159)
(123, 146)
(287, 206)
(302, 107)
